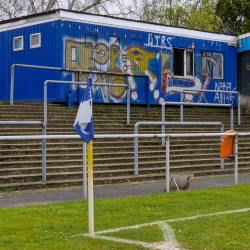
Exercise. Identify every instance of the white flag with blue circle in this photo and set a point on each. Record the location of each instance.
(84, 120)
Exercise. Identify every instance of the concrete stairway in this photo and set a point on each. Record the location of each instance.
(21, 161)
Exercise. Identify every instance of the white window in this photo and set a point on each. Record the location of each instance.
(212, 65)
(183, 62)
(73, 54)
(189, 63)
(218, 68)
(18, 43)
(35, 40)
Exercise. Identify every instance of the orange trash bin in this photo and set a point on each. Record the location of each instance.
(227, 145)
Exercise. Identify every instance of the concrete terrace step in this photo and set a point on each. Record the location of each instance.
(153, 168)
(78, 182)
(5, 154)
(20, 161)
(110, 180)
(119, 145)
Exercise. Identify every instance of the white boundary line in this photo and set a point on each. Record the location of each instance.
(169, 236)
(166, 221)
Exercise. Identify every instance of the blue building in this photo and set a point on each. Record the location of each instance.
(162, 59)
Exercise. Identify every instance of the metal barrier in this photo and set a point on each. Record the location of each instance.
(85, 83)
(214, 91)
(193, 104)
(169, 124)
(43, 140)
(114, 136)
(72, 70)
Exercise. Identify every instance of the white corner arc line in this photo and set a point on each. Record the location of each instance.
(167, 232)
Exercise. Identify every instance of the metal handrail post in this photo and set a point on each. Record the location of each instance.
(84, 172)
(232, 118)
(136, 150)
(181, 106)
(167, 163)
(182, 97)
(12, 85)
(148, 92)
(239, 111)
(128, 105)
(45, 102)
(44, 154)
(163, 126)
(236, 160)
(222, 159)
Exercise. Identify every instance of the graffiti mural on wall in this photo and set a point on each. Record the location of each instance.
(223, 97)
(109, 58)
(175, 84)
(113, 57)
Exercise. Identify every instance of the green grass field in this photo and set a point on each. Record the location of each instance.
(158, 219)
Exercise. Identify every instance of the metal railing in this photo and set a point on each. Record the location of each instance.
(121, 136)
(43, 140)
(85, 83)
(71, 70)
(193, 104)
(214, 91)
(171, 124)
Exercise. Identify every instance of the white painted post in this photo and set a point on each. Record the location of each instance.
(182, 97)
(167, 164)
(239, 109)
(163, 120)
(128, 105)
(236, 160)
(222, 159)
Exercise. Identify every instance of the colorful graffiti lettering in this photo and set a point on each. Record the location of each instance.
(110, 58)
(159, 41)
(113, 57)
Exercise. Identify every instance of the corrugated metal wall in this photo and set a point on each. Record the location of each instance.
(4, 66)
(87, 47)
(244, 73)
(109, 49)
(29, 82)
(243, 66)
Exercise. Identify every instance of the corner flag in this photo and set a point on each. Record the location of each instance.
(84, 122)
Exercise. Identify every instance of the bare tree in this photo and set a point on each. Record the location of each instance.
(11, 9)
(15, 8)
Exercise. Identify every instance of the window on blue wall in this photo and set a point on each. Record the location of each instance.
(73, 54)
(183, 62)
(35, 40)
(91, 39)
(212, 65)
(18, 43)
